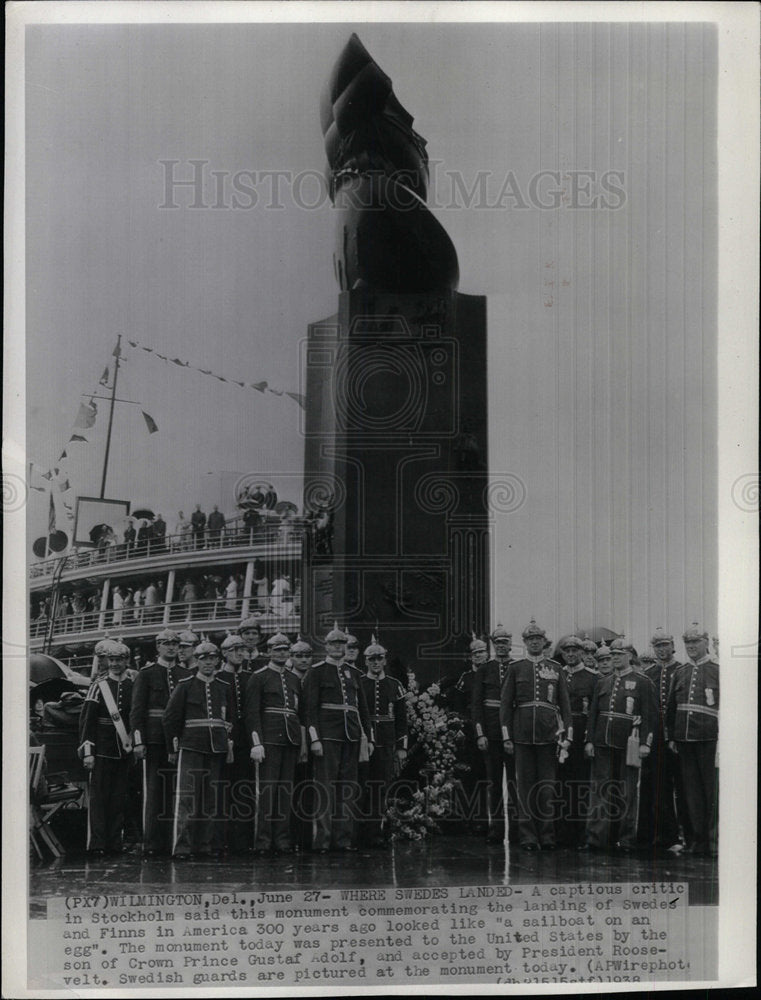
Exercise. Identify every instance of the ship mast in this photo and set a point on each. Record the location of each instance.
(117, 355)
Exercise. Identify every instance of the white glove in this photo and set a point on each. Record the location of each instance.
(317, 748)
(89, 763)
(257, 754)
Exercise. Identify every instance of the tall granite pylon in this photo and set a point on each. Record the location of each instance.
(396, 397)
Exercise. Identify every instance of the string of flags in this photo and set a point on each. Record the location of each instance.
(262, 386)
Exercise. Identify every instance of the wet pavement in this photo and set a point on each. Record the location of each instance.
(445, 860)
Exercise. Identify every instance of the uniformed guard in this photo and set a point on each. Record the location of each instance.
(487, 685)
(352, 649)
(337, 720)
(250, 631)
(238, 805)
(106, 749)
(474, 808)
(153, 687)
(303, 804)
(574, 771)
(660, 772)
(387, 705)
(274, 720)
(197, 730)
(619, 735)
(692, 727)
(589, 648)
(604, 659)
(188, 642)
(535, 718)
(300, 657)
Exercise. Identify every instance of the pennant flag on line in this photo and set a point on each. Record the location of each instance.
(87, 413)
(117, 352)
(133, 343)
(104, 376)
(51, 516)
(77, 437)
(47, 475)
(65, 485)
(300, 399)
(39, 489)
(150, 423)
(62, 455)
(261, 386)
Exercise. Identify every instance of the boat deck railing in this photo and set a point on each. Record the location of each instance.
(236, 537)
(202, 613)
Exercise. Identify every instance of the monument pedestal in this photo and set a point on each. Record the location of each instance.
(396, 437)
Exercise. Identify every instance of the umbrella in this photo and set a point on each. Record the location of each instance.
(50, 690)
(43, 668)
(143, 512)
(286, 507)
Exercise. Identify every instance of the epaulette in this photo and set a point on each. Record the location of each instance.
(221, 680)
(184, 680)
(261, 669)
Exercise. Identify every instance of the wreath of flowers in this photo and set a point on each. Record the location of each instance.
(435, 732)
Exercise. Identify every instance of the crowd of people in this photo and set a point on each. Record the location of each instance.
(249, 751)
(197, 595)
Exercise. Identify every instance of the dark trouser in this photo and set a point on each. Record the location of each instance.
(376, 777)
(108, 803)
(159, 777)
(698, 763)
(335, 775)
(133, 817)
(658, 826)
(473, 806)
(614, 801)
(497, 762)
(238, 804)
(196, 801)
(574, 789)
(536, 772)
(302, 807)
(276, 771)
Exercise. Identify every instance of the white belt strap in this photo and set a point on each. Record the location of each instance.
(113, 711)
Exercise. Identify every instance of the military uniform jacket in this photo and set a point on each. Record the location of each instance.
(334, 704)
(274, 707)
(96, 725)
(661, 676)
(386, 702)
(486, 690)
(620, 699)
(238, 681)
(692, 712)
(581, 688)
(198, 716)
(534, 702)
(153, 686)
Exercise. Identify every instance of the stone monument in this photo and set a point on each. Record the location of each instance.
(396, 398)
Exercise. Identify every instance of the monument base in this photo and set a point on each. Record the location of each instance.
(396, 445)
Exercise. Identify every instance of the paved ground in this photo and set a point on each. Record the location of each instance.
(447, 860)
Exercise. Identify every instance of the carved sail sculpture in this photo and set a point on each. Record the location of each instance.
(378, 179)
(395, 422)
